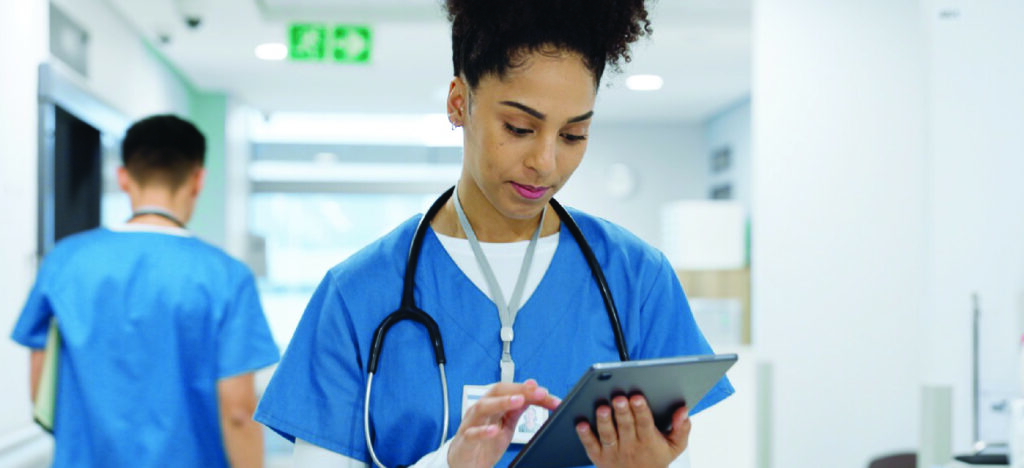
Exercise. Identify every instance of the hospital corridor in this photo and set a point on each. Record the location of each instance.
(529, 233)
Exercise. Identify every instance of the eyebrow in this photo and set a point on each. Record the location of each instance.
(540, 115)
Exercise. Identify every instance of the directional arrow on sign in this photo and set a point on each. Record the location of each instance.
(352, 44)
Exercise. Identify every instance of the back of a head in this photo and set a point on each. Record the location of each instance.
(489, 36)
(163, 150)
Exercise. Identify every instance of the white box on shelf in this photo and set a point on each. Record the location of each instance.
(704, 234)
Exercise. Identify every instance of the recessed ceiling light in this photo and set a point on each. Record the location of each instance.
(271, 51)
(325, 157)
(644, 82)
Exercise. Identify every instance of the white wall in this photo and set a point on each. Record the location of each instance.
(123, 72)
(26, 21)
(976, 215)
(237, 154)
(730, 127)
(668, 163)
(838, 224)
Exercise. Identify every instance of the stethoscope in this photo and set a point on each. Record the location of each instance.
(156, 211)
(407, 310)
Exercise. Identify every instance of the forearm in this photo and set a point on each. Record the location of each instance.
(243, 441)
(243, 437)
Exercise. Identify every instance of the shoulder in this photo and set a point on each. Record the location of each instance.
(615, 244)
(215, 257)
(69, 245)
(182, 253)
(382, 260)
(76, 247)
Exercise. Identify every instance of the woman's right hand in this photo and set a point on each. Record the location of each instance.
(488, 426)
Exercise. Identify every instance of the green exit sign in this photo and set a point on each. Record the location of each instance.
(315, 42)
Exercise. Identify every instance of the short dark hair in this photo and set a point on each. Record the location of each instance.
(163, 149)
(488, 36)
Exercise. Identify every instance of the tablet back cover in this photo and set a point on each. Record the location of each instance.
(667, 384)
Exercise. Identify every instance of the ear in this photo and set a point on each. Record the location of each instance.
(124, 180)
(199, 179)
(457, 99)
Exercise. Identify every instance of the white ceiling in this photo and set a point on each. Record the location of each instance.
(702, 49)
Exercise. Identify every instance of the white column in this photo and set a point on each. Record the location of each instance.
(25, 46)
(976, 230)
(237, 154)
(839, 175)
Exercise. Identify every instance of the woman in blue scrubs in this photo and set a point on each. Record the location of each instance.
(525, 81)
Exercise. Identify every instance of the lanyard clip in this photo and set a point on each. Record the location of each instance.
(508, 369)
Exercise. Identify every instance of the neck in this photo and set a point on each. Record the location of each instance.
(488, 223)
(174, 202)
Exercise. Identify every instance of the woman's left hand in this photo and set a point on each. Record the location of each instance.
(627, 437)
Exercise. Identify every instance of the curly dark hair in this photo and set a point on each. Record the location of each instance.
(163, 149)
(489, 36)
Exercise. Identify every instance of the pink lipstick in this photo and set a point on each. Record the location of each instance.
(529, 191)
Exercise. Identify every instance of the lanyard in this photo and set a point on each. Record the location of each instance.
(506, 310)
(157, 211)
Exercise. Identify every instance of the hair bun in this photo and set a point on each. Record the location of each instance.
(486, 34)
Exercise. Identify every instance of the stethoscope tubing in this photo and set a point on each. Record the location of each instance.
(407, 310)
(366, 414)
(602, 283)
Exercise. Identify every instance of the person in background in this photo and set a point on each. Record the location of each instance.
(161, 332)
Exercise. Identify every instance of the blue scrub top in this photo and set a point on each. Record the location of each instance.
(317, 391)
(149, 321)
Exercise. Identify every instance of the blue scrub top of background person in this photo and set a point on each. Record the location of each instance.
(150, 320)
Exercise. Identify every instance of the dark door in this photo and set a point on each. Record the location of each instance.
(77, 175)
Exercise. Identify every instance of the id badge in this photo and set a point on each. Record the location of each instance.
(531, 420)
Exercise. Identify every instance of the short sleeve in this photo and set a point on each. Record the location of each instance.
(244, 342)
(673, 331)
(33, 324)
(316, 393)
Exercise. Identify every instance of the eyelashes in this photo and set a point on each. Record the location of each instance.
(517, 131)
(521, 132)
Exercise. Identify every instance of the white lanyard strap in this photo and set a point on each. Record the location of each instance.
(506, 311)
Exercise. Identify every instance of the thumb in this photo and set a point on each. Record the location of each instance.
(680, 435)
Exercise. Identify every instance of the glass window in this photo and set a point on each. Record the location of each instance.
(305, 234)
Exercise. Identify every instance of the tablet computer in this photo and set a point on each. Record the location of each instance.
(667, 383)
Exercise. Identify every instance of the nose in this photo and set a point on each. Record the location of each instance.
(543, 159)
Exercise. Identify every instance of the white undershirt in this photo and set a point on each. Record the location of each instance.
(142, 227)
(506, 258)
